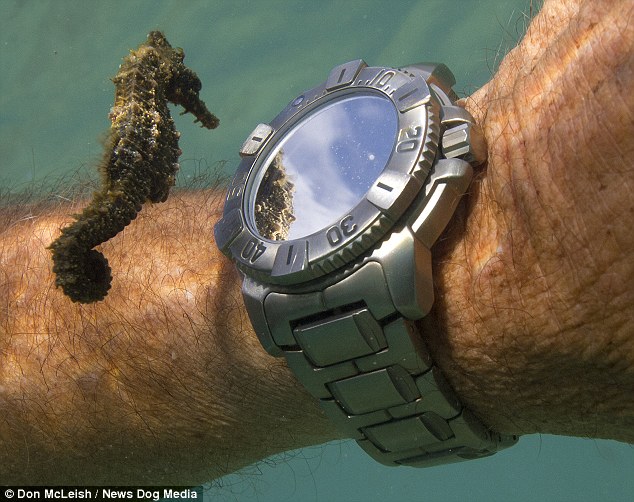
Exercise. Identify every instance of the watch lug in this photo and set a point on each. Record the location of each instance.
(434, 73)
(448, 181)
(406, 264)
(254, 294)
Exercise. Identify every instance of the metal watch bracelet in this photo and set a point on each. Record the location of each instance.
(373, 375)
(362, 357)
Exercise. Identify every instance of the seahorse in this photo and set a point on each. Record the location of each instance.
(139, 163)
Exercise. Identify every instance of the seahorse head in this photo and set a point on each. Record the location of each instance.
(181, 85)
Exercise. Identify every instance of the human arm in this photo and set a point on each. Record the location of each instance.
(165, 381)
(162, 382)
(535, 285)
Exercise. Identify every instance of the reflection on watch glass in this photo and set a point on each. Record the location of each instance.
(323, 167)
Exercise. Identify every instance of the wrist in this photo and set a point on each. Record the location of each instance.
(531, 317)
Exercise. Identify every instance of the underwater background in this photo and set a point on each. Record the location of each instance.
(253, 57)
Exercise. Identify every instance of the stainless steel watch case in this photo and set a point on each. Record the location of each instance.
(425, 111)
(340, 309)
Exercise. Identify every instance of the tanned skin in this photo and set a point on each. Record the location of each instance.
(164, 381)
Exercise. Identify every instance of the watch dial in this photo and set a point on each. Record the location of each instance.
(323, 166)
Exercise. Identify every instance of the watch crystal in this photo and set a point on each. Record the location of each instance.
(323, 166)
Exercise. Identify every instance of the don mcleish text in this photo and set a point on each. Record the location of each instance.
(93, 493)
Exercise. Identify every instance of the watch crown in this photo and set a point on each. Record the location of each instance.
(465, 141)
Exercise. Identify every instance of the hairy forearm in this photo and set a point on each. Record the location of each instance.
(162, 382)
(536, 294)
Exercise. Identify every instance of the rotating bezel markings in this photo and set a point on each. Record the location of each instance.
(341, 241)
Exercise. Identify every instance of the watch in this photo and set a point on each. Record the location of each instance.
(330, 218)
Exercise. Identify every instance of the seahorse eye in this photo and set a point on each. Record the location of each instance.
(187, 82)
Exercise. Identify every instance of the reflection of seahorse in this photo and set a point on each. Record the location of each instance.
(274, 201)
(139, 164)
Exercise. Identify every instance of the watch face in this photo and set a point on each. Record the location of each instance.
(330, 175)
(323, 166)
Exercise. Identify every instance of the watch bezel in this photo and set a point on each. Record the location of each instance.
(342, 241)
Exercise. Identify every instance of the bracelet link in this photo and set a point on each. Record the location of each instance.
(376, 382)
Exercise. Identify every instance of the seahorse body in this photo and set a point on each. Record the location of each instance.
(139, 164)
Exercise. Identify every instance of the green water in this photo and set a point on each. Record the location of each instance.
(56, 60)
